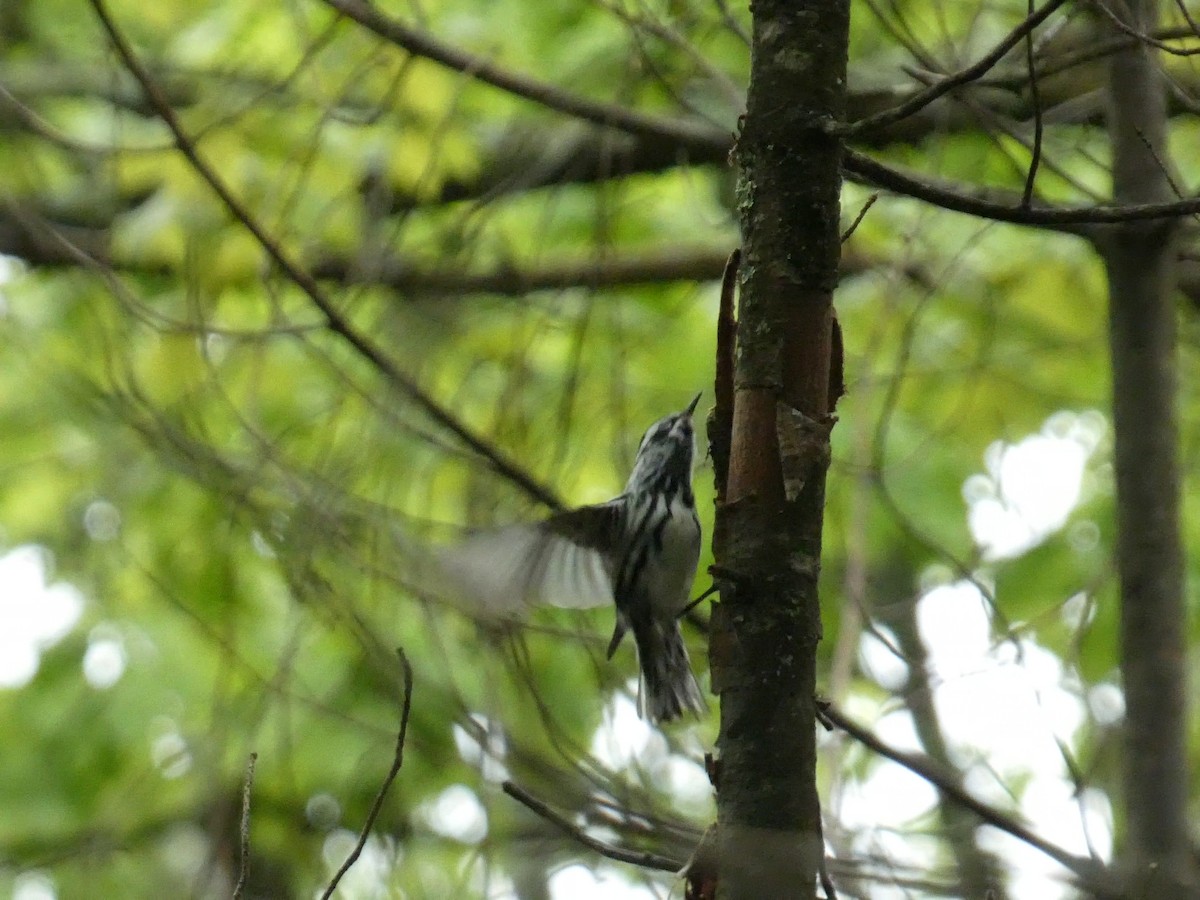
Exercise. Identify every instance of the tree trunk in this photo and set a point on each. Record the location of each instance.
(768, 540)
(1139, 260)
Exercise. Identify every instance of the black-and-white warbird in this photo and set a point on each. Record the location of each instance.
(638, 551)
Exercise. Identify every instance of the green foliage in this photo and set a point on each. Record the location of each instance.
(265, 476)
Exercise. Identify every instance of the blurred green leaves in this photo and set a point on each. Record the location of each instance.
(261, 483)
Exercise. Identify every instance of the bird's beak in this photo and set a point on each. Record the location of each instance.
(692, 406)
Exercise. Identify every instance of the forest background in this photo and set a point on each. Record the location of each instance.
(287, 286)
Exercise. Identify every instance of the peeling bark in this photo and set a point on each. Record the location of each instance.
(767, 625)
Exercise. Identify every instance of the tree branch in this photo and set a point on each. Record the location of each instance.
(1069, 219)
(671, 264)
(1090, 872)
(1035, 97)
(924, 97)
(685, 134)
(303, 280)
(244, 853)
(397, 762)
(642, 858)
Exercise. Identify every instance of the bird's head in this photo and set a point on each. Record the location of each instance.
(664, 457)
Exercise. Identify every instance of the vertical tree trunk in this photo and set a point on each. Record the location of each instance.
(768, 541)
(1139, 259)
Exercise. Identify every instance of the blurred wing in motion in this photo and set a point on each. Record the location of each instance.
(565, 561)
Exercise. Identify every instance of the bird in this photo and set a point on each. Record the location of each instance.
(638, 551)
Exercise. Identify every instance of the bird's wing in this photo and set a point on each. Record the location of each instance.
(562, 561)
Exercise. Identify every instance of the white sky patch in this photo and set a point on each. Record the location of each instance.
(184, 850)
(878, 660)
(1107, 703)
(34, 615)
(104, 660)
(102, 521)
(33, 885)
(1063, 820)
(10, 267)
(1004, 707)
(688, 783)
(484, 749)
(623, 736)
(879, 810)
(1006, 702)
(1077, 611)
(1030, 487)
(456, 813)
(908, 797)
(579, 882)
(169, 749)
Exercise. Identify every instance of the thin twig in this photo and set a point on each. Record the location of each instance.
(1160, 162)
(1142, 36)
(678, 263)
(1035, 97)
(1065, 61)
(826, 881)
(862, 213)
(1188, 17)
(304, 280)
(823, 862)
(642, 858)
(397, 762)
(685, 133)
(244, 857)
(921, 99)
(733, 24)
(997, 126)
(1069, 219)
(709, 591)
(639, 22)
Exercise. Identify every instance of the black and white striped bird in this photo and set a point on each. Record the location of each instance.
(638, 550)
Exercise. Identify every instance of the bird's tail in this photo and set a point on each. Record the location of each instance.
(668, 688)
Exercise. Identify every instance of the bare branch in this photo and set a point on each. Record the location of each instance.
(686, 134)
(862, 214)
(42, 238)
(1182, 7)
(923, 98)
(1035, 96)
(244, 859)
(397, 762)
(641, 858)
(1090, 872)
(1143, 37)
(733, 24)
(334, 320)
(826, 881)
(671, 264)
(1069, 219)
